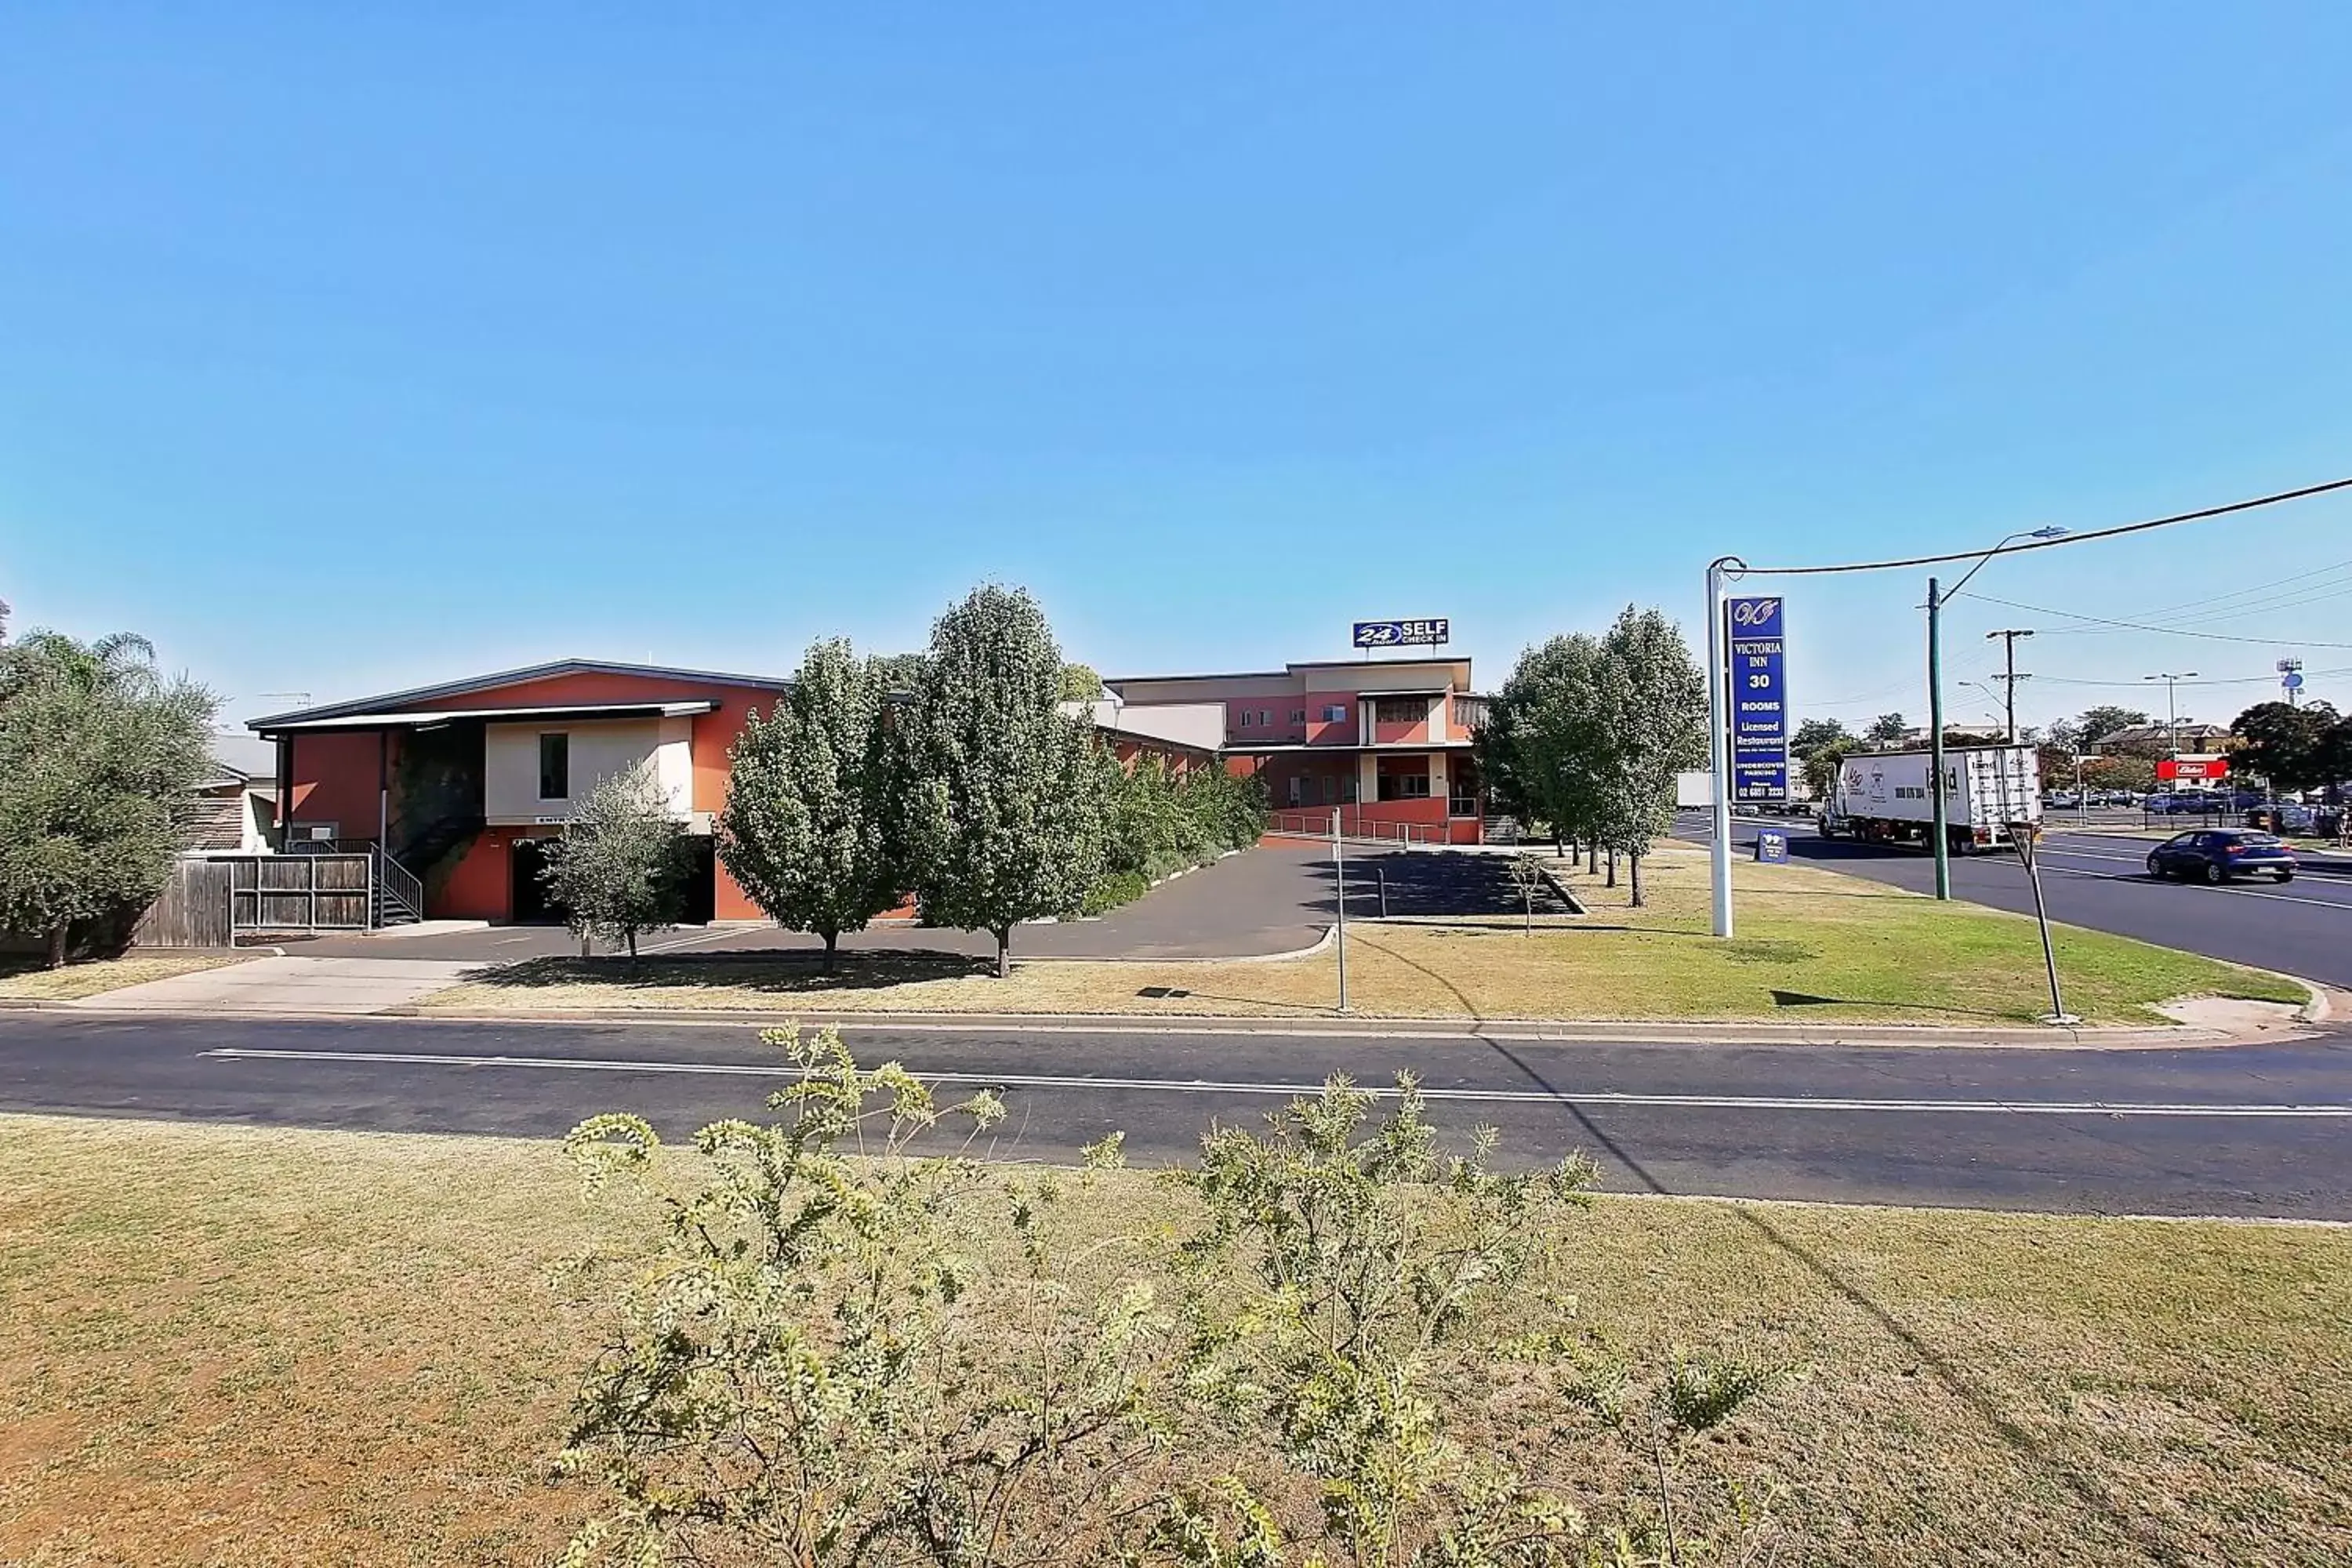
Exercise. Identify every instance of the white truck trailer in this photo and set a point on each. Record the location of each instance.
(1882, 797)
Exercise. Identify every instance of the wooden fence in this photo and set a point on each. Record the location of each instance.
(208, 902)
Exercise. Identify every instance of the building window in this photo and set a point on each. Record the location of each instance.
(1297, 789)
(555, 767)
(1347, 789)
(1404, 786)
(1337, 713)
(1401, 710)
(1298, 715)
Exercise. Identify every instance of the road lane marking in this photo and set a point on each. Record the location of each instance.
(2233, 892)
(1288, 1090)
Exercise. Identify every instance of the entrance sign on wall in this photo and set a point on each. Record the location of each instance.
(1400, 633)
(1759, 705)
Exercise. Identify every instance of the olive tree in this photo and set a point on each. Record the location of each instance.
(619, 870)
(96, 747)
(807, 828)
(1004, 803)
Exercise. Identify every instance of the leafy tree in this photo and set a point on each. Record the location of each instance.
(2119, 772)
(1815, 733)
(807, 830)
(1822, 766)
(96, 747)
(1539, 746)
(1005, 812)
(619, 870)
(2097, 723)
(1081, 684)
(899, 674)
(2288, 744)
(1886, 728)
(1651, 725)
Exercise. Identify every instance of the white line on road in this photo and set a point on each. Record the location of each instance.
(2232, 892)
(1287, 1090)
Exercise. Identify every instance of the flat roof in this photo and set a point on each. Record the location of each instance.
(410, 720)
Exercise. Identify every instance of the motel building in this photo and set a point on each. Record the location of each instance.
(454, 790)
(1385, 743)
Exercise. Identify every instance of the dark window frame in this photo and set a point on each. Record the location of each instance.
(555, 764)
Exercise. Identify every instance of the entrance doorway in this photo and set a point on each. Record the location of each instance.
(528, 896)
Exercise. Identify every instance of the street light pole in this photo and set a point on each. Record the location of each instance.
(1936, 600)
(1940, 814)
(2171, 709)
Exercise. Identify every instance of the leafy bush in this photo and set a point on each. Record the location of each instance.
(900, 1356)
(1159, 824)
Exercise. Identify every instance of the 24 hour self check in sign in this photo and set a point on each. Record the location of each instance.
(1760, 703)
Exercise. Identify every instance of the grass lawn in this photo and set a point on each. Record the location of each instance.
(1814, 945)
(24, 977)
(240, 1346)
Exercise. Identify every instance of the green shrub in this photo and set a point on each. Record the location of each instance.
(844, 1352)
(1118, 888)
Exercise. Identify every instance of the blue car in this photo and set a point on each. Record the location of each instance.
(2216, 855)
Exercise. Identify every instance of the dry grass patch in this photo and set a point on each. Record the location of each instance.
(1813, 945)
(26, 979)
(246, 1347)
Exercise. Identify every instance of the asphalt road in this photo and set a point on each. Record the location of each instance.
(2252, 1131)
(2101, 881)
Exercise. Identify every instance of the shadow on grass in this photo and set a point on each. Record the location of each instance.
(2124, 1513)
(783, 973)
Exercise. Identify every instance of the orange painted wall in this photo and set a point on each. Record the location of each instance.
(481, 888)
(335, 779)
(481, 885)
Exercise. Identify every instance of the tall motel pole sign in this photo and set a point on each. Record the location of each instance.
(1759, 705)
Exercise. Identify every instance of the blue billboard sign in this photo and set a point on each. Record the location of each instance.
(1759, 704)
(1400, 633)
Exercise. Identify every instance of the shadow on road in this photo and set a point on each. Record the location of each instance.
(781, 971)
(1426, 885)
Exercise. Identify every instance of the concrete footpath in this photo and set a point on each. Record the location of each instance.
(290, 986)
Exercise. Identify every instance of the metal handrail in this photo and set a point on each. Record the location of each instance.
(397, 880)
(1352, 824)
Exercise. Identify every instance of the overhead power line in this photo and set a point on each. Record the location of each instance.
(2144, 626)
(2082, 538)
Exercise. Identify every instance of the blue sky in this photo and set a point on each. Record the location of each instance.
(691, 333)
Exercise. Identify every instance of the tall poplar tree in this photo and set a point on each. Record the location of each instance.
(1651, 725)
(1004, 810)
(807, 830)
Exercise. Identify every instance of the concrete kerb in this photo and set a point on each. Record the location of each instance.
(1644, 1032)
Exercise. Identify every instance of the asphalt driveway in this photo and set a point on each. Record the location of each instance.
(1257, 904)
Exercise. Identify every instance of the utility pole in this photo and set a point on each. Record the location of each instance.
(2009, 681)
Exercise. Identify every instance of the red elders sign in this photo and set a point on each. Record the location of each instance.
(2193, 768)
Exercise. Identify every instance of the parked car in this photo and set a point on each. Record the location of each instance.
(2183, 803)
(2217, 854)
(2289, 817)
(2062, 800)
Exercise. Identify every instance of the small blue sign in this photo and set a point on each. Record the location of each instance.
(1759, 705)
(1772, 847)
(1400, 633)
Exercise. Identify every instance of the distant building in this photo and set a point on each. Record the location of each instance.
(1385, 743)
(2184, 736)
(235, 809)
